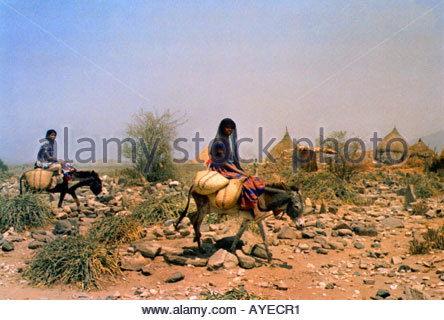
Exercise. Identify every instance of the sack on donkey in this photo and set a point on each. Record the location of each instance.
(226, 198)
(38, 179)
(208, 182)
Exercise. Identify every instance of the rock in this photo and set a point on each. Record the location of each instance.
(217, 259)
(392, 223)
(147, 270)
(245, 262)
(35, 245)
(175, 277)
(66, 227)
(303, 246)
(415, 294)
(184, 233)
(430, 214)
(231, 261)
(67, 209)
(175, 259)
(383, 293)
(333, 210)
(342, 225)
(409, 194)
(330, 286)
(287, 233)
(227, 242)
(358, 245)
(61, 215)
(281, 285)
(259, 251)
(323, 208)
(363, 230)
(308, 234)
(369, 282)
(321, 240)
(147, 249)
(197, 262)
(345, 232)
(396, 260)
(7, 246)
(404, 267)
(321, 251)
(134, 263)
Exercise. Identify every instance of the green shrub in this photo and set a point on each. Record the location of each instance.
(23, 212)
(433, 239)
(425, 185)
(324, 185)
(130, 177)
(74, 260)
(116, 230)
(3, 166)
(419, 208)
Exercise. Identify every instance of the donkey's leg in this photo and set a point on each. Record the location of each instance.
(62, 197)
(73, 194)
(239, 233)
(203, 206)
(264, 238)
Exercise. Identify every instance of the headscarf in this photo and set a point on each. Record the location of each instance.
(229, 145)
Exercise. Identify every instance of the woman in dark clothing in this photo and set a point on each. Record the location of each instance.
(224, 158)
(46, 160)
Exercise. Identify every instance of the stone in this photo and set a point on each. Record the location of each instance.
(66, 227)
(404, 268)
(369, 282)
(321, 240)
(175, 277)
(330, 286)
(345, 232)
(67, 209)
(383, 293)
(197, 262)
(321, 251)
(147, 249)
(147, 270)
(363, 230)
(392, 223)
(133, 263)
(281, 285)
(342, 225)
(231, 261)
(308, 234)
(415, 294)
(175, 259)
(217, 259)
(259, 251)
(35, 245)
(358, 245)
(245, 261)
(227, 242)
(7, 246)
(396, 260)
(287, 233)
(323, 208)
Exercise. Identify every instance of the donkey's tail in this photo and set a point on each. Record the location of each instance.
(184, 212)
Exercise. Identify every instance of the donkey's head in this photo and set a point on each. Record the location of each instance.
(295, 207)
(95, 184)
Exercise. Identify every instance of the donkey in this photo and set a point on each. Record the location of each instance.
(277, 197)
(83, 178)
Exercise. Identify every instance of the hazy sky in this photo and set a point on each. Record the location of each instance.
(360, 66)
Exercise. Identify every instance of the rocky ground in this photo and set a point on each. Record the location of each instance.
(343, 252)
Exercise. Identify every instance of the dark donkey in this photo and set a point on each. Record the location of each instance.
(83, 178)
(277, 197)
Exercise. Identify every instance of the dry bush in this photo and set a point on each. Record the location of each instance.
(74, 260)
(433, 239)
(23, 212)
(115, 230)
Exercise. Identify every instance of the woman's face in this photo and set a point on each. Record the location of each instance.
(52, 136)
(228, 130)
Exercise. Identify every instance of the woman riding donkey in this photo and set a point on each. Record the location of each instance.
(46, 160)
(224, 158)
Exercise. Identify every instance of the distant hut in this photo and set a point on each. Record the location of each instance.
(393, 149)
(283, 148)
(202, 157)
(420, 152)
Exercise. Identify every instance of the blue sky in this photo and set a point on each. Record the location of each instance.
(89, 65)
